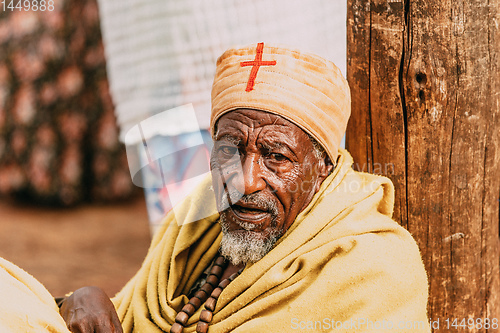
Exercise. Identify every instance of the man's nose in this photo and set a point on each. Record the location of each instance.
(250, 179)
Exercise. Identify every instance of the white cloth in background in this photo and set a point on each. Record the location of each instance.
(162, 53)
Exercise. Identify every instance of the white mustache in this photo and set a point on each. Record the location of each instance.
(234, 197)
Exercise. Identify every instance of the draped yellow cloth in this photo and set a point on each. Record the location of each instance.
(25, 304)
(343, 266)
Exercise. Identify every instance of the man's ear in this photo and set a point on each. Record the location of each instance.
(328, 166)
(325, 168)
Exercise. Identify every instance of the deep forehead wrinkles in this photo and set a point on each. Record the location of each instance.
(229, 138)
(271, 131)
(233, 127)
(275, 137)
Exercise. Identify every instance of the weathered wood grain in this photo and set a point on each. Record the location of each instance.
(425, 84)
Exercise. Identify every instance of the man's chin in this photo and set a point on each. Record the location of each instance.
(242, 246)
(245, 242)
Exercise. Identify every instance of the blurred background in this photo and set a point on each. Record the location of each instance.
(76, 78)
(69, 213)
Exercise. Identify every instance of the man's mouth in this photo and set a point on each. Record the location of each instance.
(249, 213)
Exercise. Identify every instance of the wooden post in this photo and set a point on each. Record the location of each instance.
(425, 85)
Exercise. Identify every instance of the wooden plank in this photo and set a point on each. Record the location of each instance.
(375, 42)
(441, 131)
(358, 134)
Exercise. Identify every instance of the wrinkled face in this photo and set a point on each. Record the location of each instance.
(265, 172)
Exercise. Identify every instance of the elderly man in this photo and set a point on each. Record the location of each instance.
(288, 237)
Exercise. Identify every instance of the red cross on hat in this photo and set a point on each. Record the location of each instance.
(256, 63)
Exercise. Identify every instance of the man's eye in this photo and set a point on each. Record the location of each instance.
(278, 157)
(228, 150)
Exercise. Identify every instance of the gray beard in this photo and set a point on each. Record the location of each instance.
(244, 245)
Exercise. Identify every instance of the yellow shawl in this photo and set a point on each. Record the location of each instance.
(343, 265)
(25, 304)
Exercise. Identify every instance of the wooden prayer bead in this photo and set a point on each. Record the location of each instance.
(202, 295)
(189, 309)
(220, 261)
(210, 304)
(224, 283)
(206, 316)
(217, 271)
(213, 280)
(176, 328)
(216, 292)
(182, 318)
(207, 287)
(202, 327)
(196, 301)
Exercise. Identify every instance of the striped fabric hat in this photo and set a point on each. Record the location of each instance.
(301, 87)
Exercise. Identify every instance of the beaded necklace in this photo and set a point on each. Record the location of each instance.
(211, 287)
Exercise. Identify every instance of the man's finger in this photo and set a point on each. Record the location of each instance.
(79, 325)
(107, 323)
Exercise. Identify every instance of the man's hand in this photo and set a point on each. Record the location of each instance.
(90, 310)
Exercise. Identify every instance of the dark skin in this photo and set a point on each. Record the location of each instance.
(277, 162)
(90, 310)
